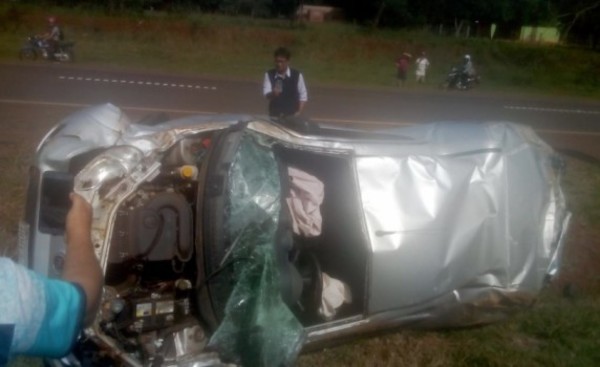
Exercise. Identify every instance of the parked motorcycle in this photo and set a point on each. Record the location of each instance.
(456, 79)
(38, 47)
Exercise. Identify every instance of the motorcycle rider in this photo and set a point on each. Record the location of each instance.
(467, 70)
(53, 36)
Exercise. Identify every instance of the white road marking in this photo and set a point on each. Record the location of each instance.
(323, 119)
(558, 110)
(138, 82)
(83, 105)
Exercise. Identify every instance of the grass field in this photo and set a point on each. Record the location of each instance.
(562, 329)
(329, 53)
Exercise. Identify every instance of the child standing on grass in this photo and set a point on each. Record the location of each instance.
(422, 66)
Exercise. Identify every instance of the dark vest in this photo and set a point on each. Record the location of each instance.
(287, 102)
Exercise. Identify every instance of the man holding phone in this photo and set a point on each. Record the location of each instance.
(284, 87)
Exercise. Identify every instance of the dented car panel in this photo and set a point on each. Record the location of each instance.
(436, 225)
(471, 210)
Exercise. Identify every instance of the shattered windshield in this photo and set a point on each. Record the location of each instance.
(258, 328)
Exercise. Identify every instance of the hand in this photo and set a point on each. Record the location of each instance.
(79, 220)
(278, 87)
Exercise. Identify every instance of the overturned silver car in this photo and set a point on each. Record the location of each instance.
(241, 240)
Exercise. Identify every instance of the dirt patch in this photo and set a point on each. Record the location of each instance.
(581, 258)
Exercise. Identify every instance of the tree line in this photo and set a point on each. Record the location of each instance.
(578, 20)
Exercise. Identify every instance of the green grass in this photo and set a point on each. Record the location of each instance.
(555, 332)
(329, 53)
(584, 194)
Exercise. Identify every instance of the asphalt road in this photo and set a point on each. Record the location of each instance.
(567, 123)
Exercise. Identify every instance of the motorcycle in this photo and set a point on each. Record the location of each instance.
(39, 47)
(456, 79)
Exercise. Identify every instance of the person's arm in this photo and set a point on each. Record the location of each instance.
(81, 265)
(54, 33)
(47, 313)
(267, 87)
(45, 35)
(302, 93)
(301, 105)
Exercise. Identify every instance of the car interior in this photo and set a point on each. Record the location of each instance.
(340, 250)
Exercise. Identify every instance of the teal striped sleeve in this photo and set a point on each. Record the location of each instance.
(63, 319)
(46, 314)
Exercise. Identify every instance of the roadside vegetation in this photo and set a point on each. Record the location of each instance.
(328, 53)
(561, 329)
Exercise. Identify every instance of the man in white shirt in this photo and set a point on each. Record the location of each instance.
(284, 87)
